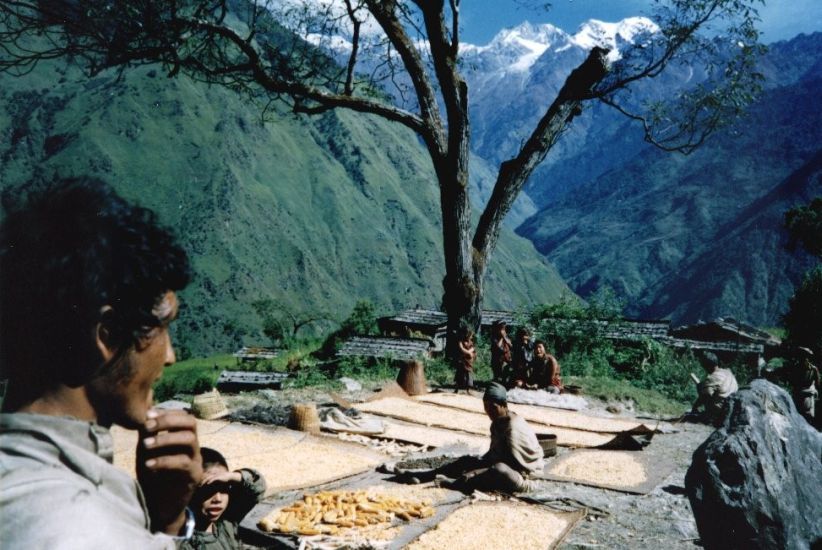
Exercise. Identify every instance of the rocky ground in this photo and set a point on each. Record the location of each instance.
(659, 519)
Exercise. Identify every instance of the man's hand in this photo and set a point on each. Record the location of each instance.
(470, 474)
(169, 467)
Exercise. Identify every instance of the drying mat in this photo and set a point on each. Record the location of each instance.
(396, 535)
(626, 471)
(434, 437)
(464, 421)
(287, 459)
(543, 415)
(544, 398)
(509, 524)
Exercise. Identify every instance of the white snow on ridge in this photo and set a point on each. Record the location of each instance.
(520, 46)
(526, 60)
(609, 35)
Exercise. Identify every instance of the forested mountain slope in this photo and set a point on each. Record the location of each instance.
(315, 213)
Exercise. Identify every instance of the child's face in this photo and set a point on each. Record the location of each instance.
(215, 496)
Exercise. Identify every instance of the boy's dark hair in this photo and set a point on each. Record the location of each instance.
(212, 457)
(70, 250)
(542, 343)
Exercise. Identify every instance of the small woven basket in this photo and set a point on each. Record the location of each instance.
(412, 378)
(548, 442)
(304, 417)
(209, 406)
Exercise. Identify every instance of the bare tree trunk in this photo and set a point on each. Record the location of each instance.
(461, 289)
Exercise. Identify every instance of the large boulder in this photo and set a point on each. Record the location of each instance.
(756, 482)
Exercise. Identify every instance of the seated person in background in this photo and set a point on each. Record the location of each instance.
(514, 454)
(500, 350)
(221, 501)
(466, 354)
(522, 355)
(544, 370)
(714, 390)
(805, 383)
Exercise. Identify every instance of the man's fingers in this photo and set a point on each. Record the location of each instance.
(185, 439)
(168, 441)
(176, 462)
(169, 420)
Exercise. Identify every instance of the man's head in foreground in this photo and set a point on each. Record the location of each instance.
(495, 401)
(87, 291)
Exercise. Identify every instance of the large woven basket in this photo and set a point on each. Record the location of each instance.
(209, 406)
(412, 378)
(304, 417)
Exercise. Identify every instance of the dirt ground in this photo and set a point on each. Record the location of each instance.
(659, 519)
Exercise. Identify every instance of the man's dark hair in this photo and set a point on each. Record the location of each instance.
(212, 457)
(70, 250)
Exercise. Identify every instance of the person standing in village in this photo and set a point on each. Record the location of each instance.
(500, 350)
(466, 354)
(523, 354)
(714, 390)
(544, 370)
(805, 383)
(221, 501)
(88, 288)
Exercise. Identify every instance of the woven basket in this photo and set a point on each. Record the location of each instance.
(304, 417)
(209, 406)
(412, 378)
(548, 442)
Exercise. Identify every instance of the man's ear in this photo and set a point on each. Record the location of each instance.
(105, 334)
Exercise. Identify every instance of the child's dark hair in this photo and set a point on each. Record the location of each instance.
(212, 458)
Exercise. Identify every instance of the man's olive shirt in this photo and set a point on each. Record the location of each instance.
(60, 490)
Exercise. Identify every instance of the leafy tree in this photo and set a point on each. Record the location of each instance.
(804, 225)
(803, 321)
(280, 325)
(267, 49)
(572, 326)
(361, 322)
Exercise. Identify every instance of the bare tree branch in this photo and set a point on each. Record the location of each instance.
(514, 172)
(355, 44)
(385, 14)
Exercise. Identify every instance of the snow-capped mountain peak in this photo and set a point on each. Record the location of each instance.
(519, 47)
(610, 35)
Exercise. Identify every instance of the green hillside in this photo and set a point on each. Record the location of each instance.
(315, 213)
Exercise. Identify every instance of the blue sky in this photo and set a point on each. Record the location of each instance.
(482, 19)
